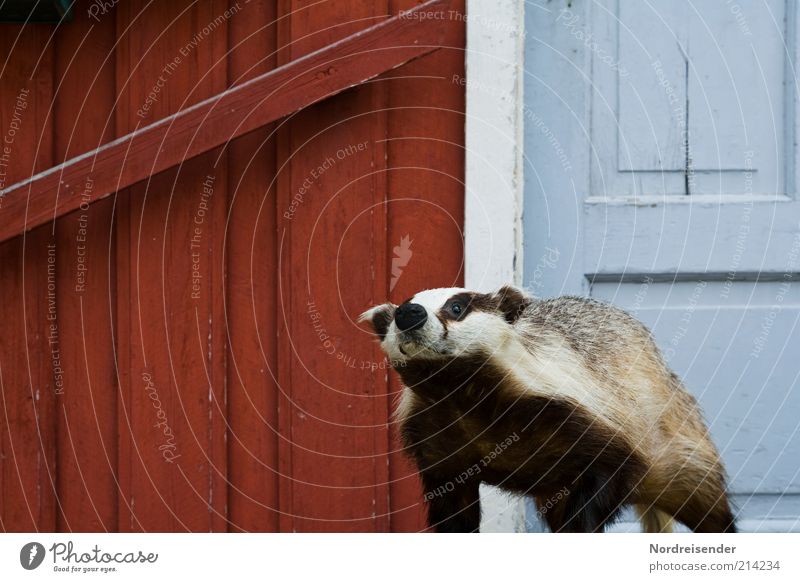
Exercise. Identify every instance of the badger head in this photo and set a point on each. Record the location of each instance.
(446, 323)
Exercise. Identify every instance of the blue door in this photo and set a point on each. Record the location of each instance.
(661, 175)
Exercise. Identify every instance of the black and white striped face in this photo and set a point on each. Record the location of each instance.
(445, 323)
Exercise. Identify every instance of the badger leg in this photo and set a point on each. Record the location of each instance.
(453, 507)
(695, 497)
(654, 520)
(590, 505)
(702, 515)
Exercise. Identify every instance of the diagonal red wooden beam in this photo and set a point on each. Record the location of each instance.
(234, 112)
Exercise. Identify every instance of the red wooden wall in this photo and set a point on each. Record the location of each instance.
(183, 356)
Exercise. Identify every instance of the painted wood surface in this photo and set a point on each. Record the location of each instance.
(702, 243)
(693, 94)
(29, 347)
(151, 148)
(196, 309)
(338, 400)
(86, 411)
(494, 171)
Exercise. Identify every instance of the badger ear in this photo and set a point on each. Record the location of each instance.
(511, 302)
(379, 317)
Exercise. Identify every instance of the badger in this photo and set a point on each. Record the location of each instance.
(566, 400)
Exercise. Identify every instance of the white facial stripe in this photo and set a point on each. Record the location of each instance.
(478, 333)
(434, 299)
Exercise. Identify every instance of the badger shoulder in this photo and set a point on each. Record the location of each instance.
(606, 338)
(592, 354)
(583, 318)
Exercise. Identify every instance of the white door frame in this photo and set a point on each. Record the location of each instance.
(494, 179)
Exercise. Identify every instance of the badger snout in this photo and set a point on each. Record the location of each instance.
(410, 316)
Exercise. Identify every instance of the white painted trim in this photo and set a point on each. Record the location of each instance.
(494, 132)
(494, 180)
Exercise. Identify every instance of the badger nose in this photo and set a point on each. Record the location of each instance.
(410, 316)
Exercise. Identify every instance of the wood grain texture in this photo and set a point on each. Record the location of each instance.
(331, 222)
(172, 446)
(694, 105)
(251, 291)
(196, 390)
(29, 347)
(86, 411)
(425, 205)
(222, 116)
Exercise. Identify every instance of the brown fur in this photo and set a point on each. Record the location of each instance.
(597, 414)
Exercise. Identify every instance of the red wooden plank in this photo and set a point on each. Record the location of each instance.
(333, 416)
(250, 316)
(331, 222)
(223, 117)
(172, 444)
(29, 347)
(426, 210)
(86, 411)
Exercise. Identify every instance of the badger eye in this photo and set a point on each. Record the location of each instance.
(456, 308)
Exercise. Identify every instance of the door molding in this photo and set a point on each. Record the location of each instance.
(494, 178)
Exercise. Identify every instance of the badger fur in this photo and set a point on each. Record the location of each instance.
(567, 400)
